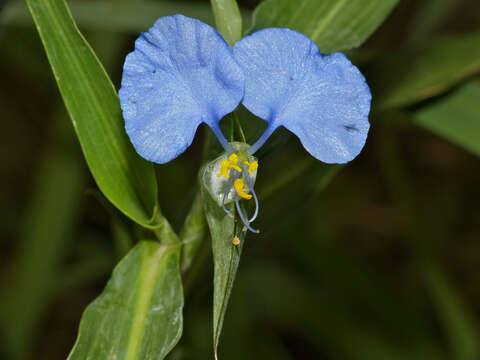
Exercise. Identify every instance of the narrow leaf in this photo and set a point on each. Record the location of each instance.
(457, 118)
(139, 314)
(410, 76)
(335, 25)
(228, 19)
(91, 100)
(226, 257)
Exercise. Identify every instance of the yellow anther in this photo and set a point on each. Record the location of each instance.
(239, 186)
(251, 166)
(234, 162)
(224, 168)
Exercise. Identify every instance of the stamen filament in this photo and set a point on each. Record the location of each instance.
(242, 134)
(259, 143)
(245, 222)
(221, 138)
(250, 185)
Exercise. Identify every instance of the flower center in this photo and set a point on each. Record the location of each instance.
(238, 173)
(226, 167)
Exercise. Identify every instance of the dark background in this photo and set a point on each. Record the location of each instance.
(382, 263)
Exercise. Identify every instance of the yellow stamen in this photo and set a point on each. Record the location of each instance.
(224, 168)
(251, 166)
(239, 186)
(234, 162)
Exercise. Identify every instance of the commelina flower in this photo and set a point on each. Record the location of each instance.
(183, 73)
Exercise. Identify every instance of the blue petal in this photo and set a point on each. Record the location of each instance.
(323, 99)
(181, 73)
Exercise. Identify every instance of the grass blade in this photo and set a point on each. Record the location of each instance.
(126, 180)
(414, 75)
(335, 25)
(456, 118)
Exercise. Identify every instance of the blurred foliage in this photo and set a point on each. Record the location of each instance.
(380, 262)
(333, 25)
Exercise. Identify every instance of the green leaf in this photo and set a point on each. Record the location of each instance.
(127, 180)
(139, 314)
(410, 76)
(228, 19)
(226, 258)
(335, 25)
(456, 118)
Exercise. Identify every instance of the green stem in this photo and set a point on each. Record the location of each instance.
(232, 129)
(228, 19)
(240, 129)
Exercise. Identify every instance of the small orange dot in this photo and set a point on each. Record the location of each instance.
(236, 241)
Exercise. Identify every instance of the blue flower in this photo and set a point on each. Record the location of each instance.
(323, 99)
(183, 73)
